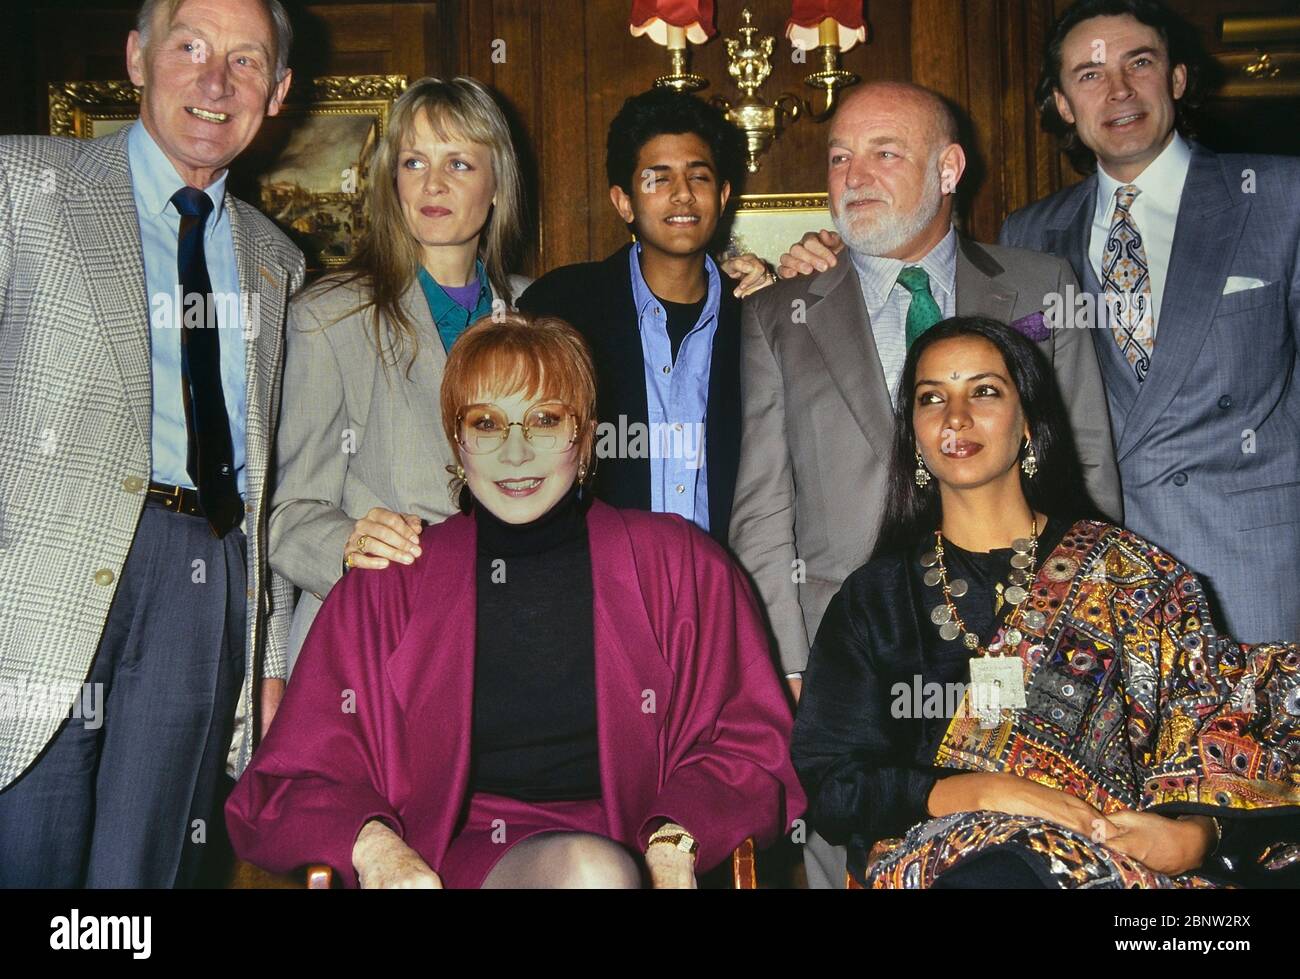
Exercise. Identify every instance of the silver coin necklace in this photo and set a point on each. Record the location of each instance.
(997, 680)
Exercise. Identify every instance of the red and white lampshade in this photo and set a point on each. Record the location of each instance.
(819, 23)
(673, 22)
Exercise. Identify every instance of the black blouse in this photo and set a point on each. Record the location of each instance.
(862, 749)
(534, 730)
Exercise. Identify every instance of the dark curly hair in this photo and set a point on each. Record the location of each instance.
(661, 112)
(1056, 489)
(1181, 41)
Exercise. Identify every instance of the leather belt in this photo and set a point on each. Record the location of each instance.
(176, 498)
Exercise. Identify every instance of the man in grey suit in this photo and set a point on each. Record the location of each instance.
(1196, 253)
(141, 318)
(822, 356)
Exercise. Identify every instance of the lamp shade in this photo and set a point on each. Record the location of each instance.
(654, 17)
(804, 28)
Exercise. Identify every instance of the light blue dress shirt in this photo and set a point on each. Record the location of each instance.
(154, 180)
(677, 395)
(887, 301)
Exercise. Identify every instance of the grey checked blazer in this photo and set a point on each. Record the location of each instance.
(75, 416)
(817, 425)
(353, 435)
(1209, 445)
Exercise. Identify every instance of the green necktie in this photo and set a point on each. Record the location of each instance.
(922, 312)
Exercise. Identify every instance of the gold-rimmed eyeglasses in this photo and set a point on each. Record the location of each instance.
(550, 426)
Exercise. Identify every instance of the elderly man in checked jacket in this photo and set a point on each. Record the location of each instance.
(135, 431)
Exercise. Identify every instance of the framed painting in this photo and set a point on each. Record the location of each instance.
(306, 169)
(768, 224)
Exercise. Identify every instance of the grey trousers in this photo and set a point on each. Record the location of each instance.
(825, 864)
(126, 799)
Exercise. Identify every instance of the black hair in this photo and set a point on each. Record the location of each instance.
(660, 112)
(1182, 43)
(1056, 489)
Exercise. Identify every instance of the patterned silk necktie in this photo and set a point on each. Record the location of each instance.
(211, 456)
(1126, 283)
(922, 312)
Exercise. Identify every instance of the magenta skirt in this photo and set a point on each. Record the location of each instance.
(495, 823)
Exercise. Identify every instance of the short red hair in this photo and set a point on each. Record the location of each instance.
(539, 357)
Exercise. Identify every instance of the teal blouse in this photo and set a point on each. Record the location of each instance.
(451, 318)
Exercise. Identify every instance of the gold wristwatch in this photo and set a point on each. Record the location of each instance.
(682, 841)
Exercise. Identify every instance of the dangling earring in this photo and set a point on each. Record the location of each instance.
(1029, 464)
(457, 488)
(582, 472)
(922, 474)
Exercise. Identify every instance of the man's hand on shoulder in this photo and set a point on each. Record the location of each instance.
(814, 252)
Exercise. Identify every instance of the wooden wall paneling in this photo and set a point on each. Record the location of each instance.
(365, 39)
(415, 39)
(502, 50)
(567, 152)
(1049, 170)
(1016, 117)
(940, 61)
(938, 40)
(888, 51)
(985, 29)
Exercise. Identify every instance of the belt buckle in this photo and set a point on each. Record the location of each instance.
(170, 497)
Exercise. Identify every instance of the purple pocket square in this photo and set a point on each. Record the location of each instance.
(1034, 326)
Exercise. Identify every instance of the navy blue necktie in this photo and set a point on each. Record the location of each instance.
(210, 456)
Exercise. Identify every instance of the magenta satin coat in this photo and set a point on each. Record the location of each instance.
(691, 718)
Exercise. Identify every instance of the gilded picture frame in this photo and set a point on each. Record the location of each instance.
(307, 167)
(768, 224)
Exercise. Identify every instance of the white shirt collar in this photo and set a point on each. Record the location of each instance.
(1161, 183)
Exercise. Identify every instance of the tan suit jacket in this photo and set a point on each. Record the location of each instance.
(76, 412)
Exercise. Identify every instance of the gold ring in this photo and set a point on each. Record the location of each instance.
(362, 541)
(347, 558)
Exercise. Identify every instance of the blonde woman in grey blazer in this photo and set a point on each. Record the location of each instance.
(360, 453)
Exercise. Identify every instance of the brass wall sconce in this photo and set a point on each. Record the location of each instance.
(828, 27)
(749, 63)
(831, 78)
(678, 78)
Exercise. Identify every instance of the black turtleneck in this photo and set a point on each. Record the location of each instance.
(534, 735)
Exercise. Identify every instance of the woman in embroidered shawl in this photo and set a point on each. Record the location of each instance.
(1150, 750)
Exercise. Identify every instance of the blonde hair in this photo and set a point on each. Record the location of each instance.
(536, 356)
(387, 260)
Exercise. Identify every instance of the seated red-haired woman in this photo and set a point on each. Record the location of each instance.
(556, 693)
